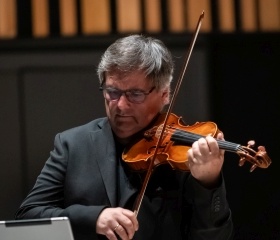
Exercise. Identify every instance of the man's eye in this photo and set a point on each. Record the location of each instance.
(113, 91)
(136, 93)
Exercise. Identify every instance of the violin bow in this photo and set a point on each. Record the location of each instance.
(176, 90)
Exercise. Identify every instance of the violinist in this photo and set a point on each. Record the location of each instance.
(86, 179)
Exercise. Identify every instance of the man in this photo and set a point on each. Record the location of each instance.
(86, 179)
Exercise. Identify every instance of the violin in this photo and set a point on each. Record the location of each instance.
(177, 139)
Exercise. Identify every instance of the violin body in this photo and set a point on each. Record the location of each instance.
(139, 154)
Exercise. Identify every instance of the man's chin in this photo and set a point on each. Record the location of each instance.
(123, 131)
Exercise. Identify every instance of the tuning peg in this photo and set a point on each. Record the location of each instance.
(242, 161)
(261, 148)
(253, 167)
(251, 144)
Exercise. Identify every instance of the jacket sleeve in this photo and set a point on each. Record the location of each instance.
(46, 199)
(211, 215)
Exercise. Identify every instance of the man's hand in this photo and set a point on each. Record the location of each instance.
(113, 222)
(206, 160)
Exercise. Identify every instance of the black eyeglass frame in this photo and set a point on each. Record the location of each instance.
(126, 93)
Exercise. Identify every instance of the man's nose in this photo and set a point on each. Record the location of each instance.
(123, 101)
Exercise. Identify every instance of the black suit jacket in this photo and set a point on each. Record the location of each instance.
(82, 177)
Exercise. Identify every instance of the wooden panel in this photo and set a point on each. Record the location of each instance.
(194, 9)
(95, 16)
(269, 15)
(68, 17)
(40, 18)
(176, 17)
(226, 15)
(152, 13)
(248, 15)
(128, 15)
(8, 26)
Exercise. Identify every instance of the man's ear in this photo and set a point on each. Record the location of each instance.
(166, 97)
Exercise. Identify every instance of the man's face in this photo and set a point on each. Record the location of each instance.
(127, 118)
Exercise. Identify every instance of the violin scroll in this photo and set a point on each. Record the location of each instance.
(257, 158)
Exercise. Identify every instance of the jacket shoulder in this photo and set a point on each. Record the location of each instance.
(94, 125)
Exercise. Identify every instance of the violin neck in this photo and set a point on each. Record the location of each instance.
(188, 138)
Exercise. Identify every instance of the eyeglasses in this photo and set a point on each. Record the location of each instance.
(133, 96)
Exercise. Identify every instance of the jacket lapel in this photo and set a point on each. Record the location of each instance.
(104, 148)
(105, 153)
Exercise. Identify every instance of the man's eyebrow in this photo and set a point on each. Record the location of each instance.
(128, 90)
(137, 89)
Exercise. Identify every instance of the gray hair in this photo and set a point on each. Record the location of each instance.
(137, 52)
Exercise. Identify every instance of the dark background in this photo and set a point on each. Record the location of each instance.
(246, 87)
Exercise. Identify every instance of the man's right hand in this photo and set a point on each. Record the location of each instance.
(113, 222)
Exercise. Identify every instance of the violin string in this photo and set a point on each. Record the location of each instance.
(189, 138)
